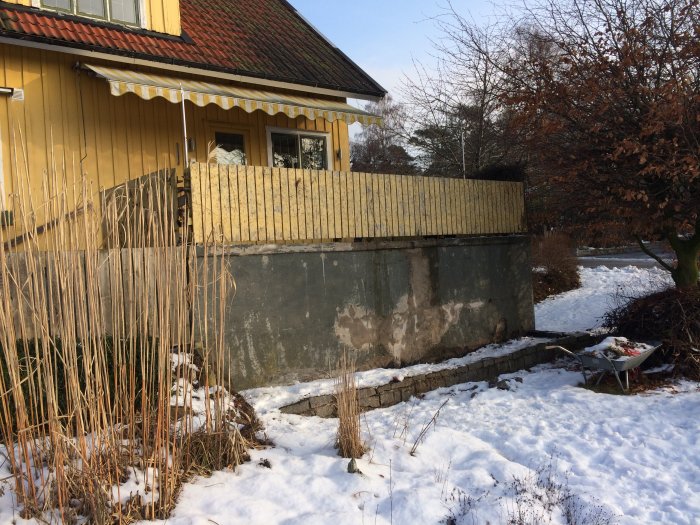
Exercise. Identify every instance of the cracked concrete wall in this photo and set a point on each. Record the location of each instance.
(400, 303)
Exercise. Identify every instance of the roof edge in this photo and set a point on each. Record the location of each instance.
(345, 57)
(182, 66)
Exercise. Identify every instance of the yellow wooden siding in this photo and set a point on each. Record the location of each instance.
(70, 119)
(286, 205)
(162, 16)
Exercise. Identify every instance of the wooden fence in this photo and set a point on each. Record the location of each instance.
(118, 293)
(250, 204)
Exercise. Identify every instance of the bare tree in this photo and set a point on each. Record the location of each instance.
(380, 149)
(458, 122)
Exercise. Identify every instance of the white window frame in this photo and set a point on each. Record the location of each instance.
(300, 132)
(140, 12)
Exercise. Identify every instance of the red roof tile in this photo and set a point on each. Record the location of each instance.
(257, 38)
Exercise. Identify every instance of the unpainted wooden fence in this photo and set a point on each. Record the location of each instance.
(117, 292)
(250, 204)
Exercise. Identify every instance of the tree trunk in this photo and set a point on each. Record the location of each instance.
(686, 274)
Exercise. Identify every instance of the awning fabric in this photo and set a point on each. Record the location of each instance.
(148, 86)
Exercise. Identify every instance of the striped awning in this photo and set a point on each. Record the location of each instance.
(149, 86)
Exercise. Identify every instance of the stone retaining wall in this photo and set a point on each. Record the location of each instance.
(483, 370)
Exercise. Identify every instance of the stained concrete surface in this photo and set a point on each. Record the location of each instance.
(392, 304)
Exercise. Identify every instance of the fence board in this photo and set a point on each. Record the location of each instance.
(243, 204)
(277, 213)
(234, 206)
(255, 204)
(282, 206)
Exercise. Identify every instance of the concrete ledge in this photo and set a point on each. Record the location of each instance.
(362, 245)
(485, 369)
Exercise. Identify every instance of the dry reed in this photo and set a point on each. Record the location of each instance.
(349, 438)
(97, 351)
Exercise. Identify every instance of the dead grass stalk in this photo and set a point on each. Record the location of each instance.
(96, 367)
(349, 438)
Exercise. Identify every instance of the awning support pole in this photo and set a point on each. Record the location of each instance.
(184, 129)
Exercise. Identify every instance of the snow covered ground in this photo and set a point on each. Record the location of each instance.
(612, 459)
(533, 453)
(601, 289)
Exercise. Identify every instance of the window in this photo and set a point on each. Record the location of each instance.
(230, 148)
(298, 149)
(120, 11)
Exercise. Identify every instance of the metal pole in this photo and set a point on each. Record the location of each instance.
(184, 129)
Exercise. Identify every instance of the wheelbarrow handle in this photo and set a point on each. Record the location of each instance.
(557, 347)
(571, 354)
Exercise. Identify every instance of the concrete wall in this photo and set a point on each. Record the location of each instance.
(393, 303)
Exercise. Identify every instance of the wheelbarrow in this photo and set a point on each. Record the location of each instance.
(607, 365)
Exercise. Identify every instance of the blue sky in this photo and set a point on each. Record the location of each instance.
(384, 36)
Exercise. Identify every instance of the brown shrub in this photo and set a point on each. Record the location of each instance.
(555, 269)
(671, 316)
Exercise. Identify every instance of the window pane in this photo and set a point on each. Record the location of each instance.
(230, 148)
(285, 150)
(124, 10)
(58, 4)
(91, 7)
(313, 153)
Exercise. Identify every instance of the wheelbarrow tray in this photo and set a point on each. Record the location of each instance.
(616, 365)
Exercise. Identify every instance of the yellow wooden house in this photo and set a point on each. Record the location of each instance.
(245, 106)
(243, 94)
(118, 89)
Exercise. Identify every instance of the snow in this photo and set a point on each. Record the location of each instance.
(601, 288)
(490, 454)
(617, 348)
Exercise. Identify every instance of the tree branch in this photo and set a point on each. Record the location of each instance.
(651, 254)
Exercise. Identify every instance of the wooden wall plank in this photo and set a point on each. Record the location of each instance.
(308, 204)
(251, 204)
(323, 204)
(214, 203)
(316, 205)
(392, 206)
(277, 209)
(419, 206)
(360, 199)
(346, 208)
(291, 181)
(339, 208)
(234, 204)
(463, 225)
(242, 178)
(269, 204)
(282, 221)
(377, 205)
(226, 228)
(422, 207)
(297, 180)
(198, 213)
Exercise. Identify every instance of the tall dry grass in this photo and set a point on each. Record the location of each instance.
(349, 437)
(99, 351)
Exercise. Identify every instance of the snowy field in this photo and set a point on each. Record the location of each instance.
(534, 453)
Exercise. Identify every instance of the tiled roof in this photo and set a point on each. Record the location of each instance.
(256, 38)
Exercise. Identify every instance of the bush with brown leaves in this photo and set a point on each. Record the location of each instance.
(671, 316)
(554, 266)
